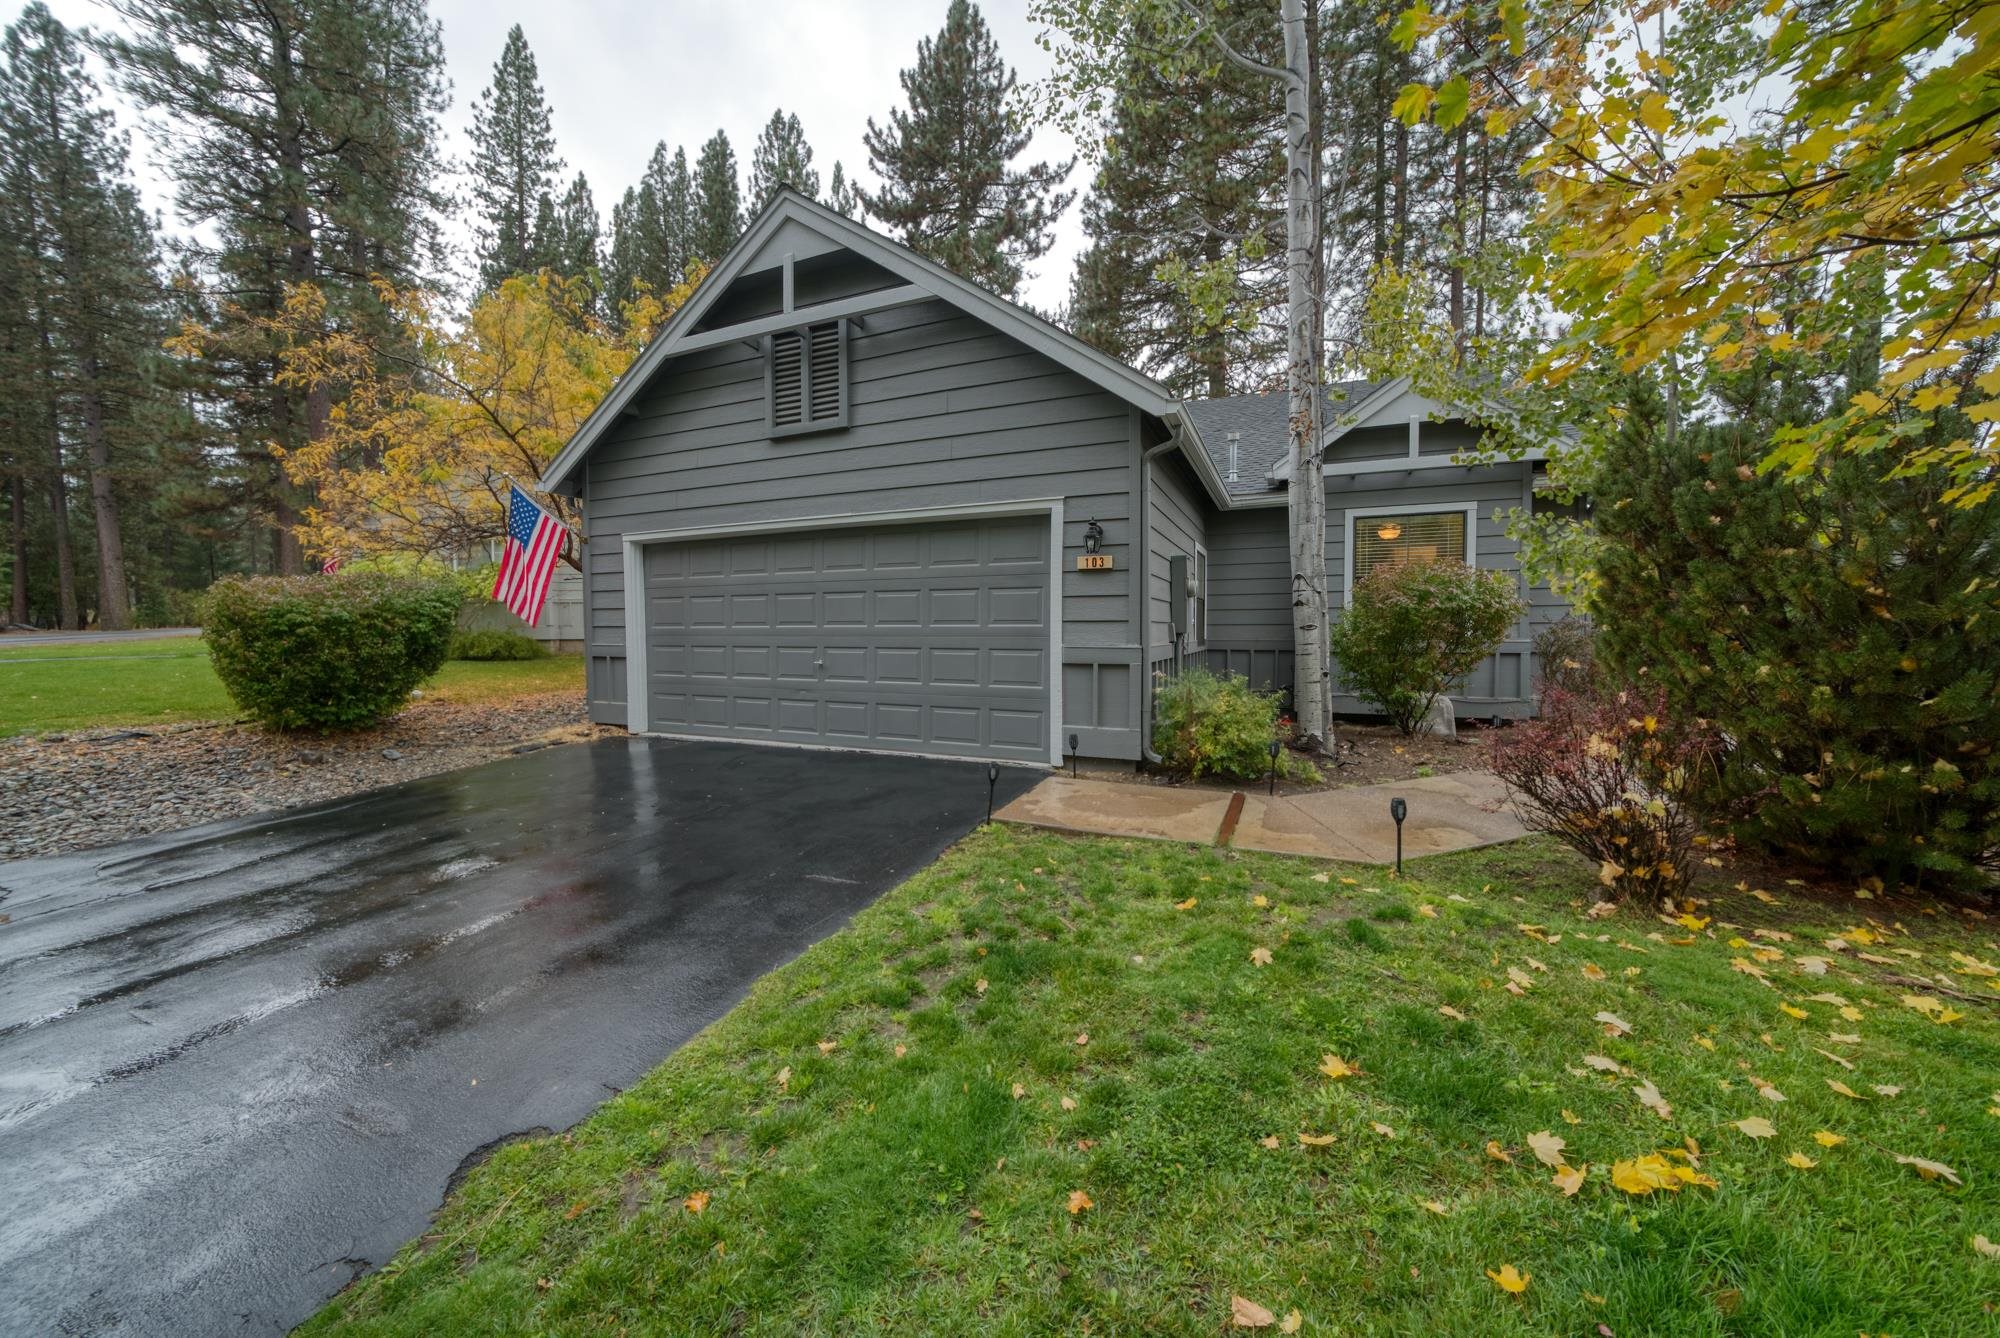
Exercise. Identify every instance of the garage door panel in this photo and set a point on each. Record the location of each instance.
(1018, 606)
(899, 608)
(929, 638)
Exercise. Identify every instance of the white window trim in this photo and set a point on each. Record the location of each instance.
(634, 551)
(1471, 510)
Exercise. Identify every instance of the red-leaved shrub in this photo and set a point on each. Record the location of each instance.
(1608, 774)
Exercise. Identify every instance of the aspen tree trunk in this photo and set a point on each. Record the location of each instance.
(1306, 500)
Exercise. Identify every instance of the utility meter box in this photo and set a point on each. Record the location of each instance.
(1179, 574)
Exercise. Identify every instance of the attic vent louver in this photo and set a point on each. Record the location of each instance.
(806, 375)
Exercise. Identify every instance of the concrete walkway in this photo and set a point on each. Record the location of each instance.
(1455, 812)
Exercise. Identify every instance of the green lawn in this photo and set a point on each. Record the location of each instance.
(157, 682)
(888, 1135)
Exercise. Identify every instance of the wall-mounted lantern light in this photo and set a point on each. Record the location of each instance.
(1399, 810)
(1093, 537)
(1388, 531)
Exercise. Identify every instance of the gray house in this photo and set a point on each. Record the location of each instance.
(848, 499)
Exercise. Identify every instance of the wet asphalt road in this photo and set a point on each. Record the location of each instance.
(239, 1064)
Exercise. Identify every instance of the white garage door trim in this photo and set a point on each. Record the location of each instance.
(637, 680)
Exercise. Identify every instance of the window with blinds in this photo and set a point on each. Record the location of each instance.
(1379, 540)
(806, 376)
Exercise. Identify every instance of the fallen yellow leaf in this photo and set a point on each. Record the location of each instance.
(1333, 1066)
(1570, 1179)
(828, 1047)
(1592, 971)
(1828, 1140)
(1757, 1127)
(1292, 1322)
(1790, 1010)
(784, 1077)
(1079, 1201)
(1981, 1245)
(1614, 1025)
(1083, 1038)
(1187, 905)
(1498, 1153)
(1548, 1149)
(1571, 1117)
(979, 986)
(1649, 1097)
(1247, 1314)
(696, 1202)
(1800, 1160)
(1270, 1141)
(1020, 1090)
(1510, 1279)
(1317, 1140)
(1260, 901)
(1069, 1103)
(1434, 1206)
(1428, 912)
(1929, 1170)
(1452, 1013)
(1382, 1129)
(1643, 1175)
(1260, 956)
(1846, 1091)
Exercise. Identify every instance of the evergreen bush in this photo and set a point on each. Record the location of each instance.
(1841, 631)
(1415, 630)
(1216, 724)
(327, 652)
(495, 643)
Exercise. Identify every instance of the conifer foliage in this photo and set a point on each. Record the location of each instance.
(514, 164)
(949, 189)
(782, 158)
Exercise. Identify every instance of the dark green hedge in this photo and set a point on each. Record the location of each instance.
(496, 643)
(327, 652)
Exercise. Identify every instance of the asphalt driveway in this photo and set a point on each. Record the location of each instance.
(240, 1064)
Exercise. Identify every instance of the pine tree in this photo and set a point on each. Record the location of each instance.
(84, 271)
(841, 197)
(782, 158)
(1172, 281)
(947, 187)
(307, 147)
(718, 200)
(574, 251)
(514, 162)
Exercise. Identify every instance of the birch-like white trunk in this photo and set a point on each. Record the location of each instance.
(1306, 500)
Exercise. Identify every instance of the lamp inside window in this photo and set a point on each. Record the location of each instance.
(1426, 536)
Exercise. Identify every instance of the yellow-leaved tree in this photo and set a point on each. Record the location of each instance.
(427, 432)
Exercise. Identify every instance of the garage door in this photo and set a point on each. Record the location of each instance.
(926, 638)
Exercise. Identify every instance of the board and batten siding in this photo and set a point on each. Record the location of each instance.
(1249, 612)
(945, 412)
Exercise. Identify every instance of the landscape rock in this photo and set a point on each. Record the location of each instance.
(69, 792)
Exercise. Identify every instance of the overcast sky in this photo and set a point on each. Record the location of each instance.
(622, 75)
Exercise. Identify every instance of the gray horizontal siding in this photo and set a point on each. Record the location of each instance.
(1249, 614)
(945, 412)
(1178, 528)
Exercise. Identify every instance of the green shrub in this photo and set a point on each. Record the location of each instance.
(1842, 631)
(327, 652)
(1210, 724)
(495, 643)
(1415, 630)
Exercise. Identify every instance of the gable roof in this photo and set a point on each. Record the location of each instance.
(1263, 424)
(788, 207)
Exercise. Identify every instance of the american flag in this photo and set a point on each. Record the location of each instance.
(330, 566)
(534, 543)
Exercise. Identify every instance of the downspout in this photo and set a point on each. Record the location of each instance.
(1146, 589)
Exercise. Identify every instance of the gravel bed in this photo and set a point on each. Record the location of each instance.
(70, 791)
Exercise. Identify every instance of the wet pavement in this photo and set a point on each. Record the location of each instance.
(239, 1064)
